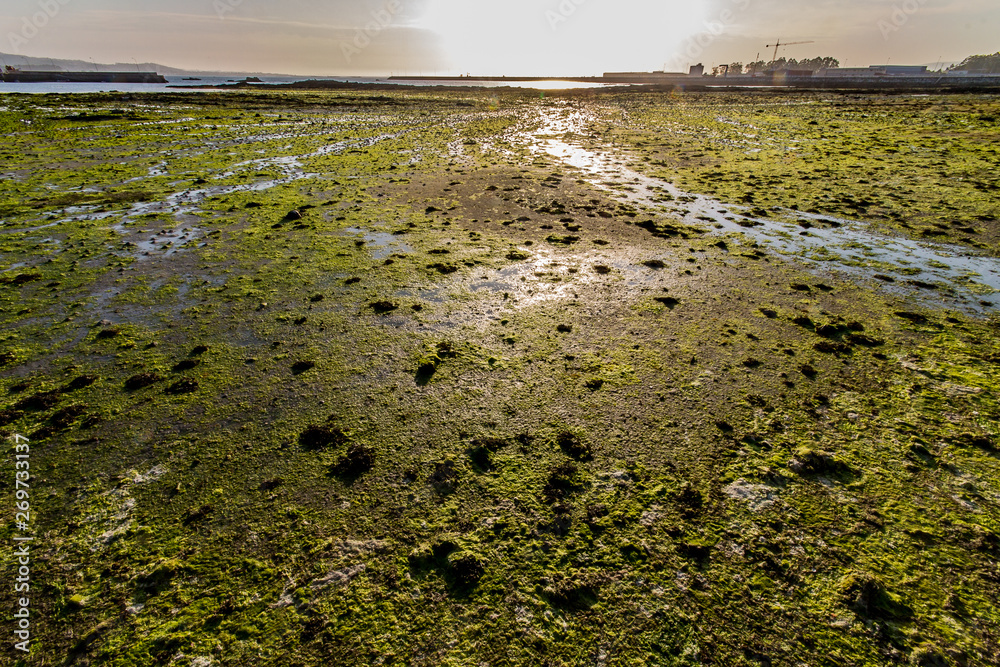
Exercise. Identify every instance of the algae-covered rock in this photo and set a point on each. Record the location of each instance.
(868, 597)
(142, 380)
(978, 440)
(445, 477)
(422, 556)
(321, 437)
(563, 480)
(466, 568)
(158, 579)
(928, 656)
(574, 446)
(358, 460)
(185, 386)
(574, 592)
(809, 462)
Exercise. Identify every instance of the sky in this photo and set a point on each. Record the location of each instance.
(503, 37)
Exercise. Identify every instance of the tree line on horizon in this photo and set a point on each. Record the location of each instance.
(987, 64)
(811, 64)
(981, 64)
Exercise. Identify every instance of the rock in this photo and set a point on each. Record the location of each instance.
(321, 437)
(555, 239)
(668, 301)
(359, 459)
(562, 481)
(979, 441)
(481, 457)
(300, 367)
(466, 568)
(864, 340)
(64, 418)
(185, 386)
(916, 318)
(809, 462)
(832, 347)
(20, 279)
(142, 380)
(293, 215)
(8, 417)
(445, 477)
(928, 656)
(186, 365)
(690, 499)
(421, 557)
(270, 484)
(868, 597)
(82, 382)
(573, 446)
(575, 592)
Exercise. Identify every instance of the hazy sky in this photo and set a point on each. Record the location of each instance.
(547, 37)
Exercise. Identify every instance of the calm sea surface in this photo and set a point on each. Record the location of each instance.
(179, 81)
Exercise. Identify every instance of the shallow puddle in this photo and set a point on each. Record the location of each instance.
(950, 275)
(381, 244)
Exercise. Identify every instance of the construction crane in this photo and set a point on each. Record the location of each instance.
(778, 44)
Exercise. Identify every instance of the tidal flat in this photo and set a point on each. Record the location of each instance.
(433, 377)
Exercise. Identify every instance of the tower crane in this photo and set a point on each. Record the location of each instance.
(779, 44)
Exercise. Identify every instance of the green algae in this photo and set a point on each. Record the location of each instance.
(921, 167)
(595, 477)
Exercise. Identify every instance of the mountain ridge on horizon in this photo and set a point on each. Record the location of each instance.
(29, 63)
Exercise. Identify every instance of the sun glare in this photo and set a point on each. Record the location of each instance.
(563, 37)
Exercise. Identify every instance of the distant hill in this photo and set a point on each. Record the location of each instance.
(29, 63)
(986, 64)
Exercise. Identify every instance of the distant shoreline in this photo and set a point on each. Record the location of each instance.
(938, 83)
